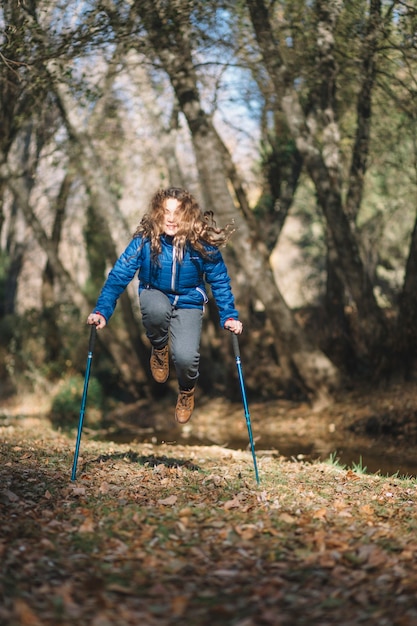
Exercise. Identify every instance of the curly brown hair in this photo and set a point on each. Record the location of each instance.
(195, 227)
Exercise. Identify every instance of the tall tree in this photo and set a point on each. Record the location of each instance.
(401, 88)
(316, 134)
(169, 32)
(19, 175)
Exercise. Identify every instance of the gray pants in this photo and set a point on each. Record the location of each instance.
(182, 327)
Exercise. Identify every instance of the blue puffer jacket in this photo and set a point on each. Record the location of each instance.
(182, 282)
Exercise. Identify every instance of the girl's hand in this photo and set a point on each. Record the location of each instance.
(234, 326)
(97, 319)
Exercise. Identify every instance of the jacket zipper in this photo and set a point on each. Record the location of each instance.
(174, 268)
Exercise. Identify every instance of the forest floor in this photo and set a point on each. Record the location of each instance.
(176, 532)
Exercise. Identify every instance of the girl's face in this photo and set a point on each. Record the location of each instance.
(170, 225)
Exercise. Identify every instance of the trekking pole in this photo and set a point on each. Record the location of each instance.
(84, 399)
(245, 403)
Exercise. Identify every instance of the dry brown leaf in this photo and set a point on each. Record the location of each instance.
(87, 526)
(215, 478)
(65, 592)
(327, 560)
(366, 509)
(320, 514)
(102, 619)
(170, 501)
(181, 525)
(371, 556)
(376, 558)
(362, 598)
(186, 512)
(10, 495)
(407, 555)
(319, 539)
(246, 531)
(25, 614)
(117, 548)
(198, 553)
(178, 605)
(232, 504)
(350, 475)
(226, 573)
(287, 518)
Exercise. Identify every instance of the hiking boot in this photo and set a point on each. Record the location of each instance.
(160, 364)
(185, 406)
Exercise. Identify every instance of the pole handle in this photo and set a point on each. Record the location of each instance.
(93, 335)
(235, 342)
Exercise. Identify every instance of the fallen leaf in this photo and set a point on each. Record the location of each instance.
(226, 573)
(102, 619)
(87, 526)
(186, 512)
(46, 543)
(232, 504)
(247, 531)
(327, 560)
(116, 588)
(366, 509)
(11, 496)
(376, 558)
(65, 592)
(178, 605)
(170, 501)
(371, 556)
(25, 614)
(320, 514)
(350, 475)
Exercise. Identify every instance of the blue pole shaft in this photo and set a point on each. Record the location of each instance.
(83, 401)
(245, 403)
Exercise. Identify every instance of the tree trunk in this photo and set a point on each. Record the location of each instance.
(15, 255)
(323, 165)
(406, 331)
(50, 310)
(119, 349)
(105, 208)
(360, 150)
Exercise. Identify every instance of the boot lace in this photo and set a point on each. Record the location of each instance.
(159, 357)
(185, 399)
